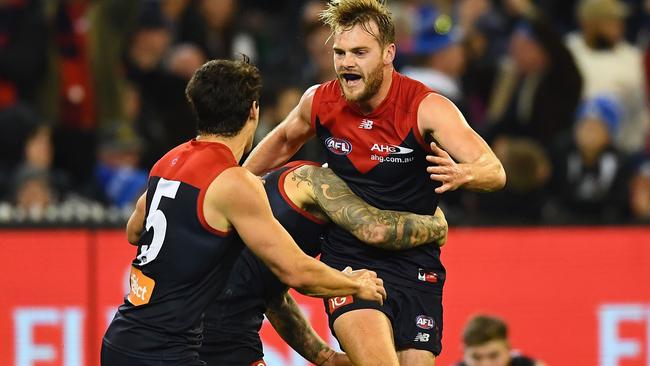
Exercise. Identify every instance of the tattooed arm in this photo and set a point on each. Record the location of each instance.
(392, 230)
(287, 319)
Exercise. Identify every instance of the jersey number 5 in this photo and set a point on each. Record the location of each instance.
(156, 220)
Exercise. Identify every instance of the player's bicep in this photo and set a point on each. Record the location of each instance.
(297, 126)
(440, 118)
(248, 211)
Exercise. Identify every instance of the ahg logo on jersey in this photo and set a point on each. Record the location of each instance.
(424, 322)
(391, 149)
(338, 146)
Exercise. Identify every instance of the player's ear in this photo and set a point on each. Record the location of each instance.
(254, 111)
(389, 54)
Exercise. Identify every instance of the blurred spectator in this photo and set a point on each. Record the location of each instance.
(440, 62)
(538, 87)
(211, 25)
(529, 170)
(36, 184)
(319, 66)
(120, 180)
(158, 78)
(23, 40)
(16, 124)
(184, 60)
(486, 343)
(485, 42)
(640, 193)
(609, 64)
(278, 108)
(280, 104)
(82, 92)
(32, 191)
(590, 174)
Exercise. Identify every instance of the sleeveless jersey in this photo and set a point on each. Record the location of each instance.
(381, 156)
(182, 263)
(233, 321)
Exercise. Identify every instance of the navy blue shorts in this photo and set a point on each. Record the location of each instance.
(415, 315)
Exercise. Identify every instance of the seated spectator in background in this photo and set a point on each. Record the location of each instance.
(280, 104)
(609, 64)
(33, 191)
(486, 343)
(318, 66)
(184, 59)
(16, 123)
(118, 177)
(158, 76)
(537, 88)
(39, 154)
(211, 24)
(529, 170)
(590, 174)
(640, 193)
(439, 61)
(81, 93)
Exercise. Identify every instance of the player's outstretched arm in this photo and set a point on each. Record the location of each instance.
(285, 139)
(461, 158)
(135, 225)
(392, 230)
(290, 323)
(239, 199)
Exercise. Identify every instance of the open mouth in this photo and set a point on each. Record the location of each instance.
(351, 79)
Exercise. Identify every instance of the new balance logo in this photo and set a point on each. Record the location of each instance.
(366, 124)
(421, 337)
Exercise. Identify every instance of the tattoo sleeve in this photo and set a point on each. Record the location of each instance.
(290, 323)
(392, 230)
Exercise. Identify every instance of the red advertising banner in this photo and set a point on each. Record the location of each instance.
(571, 296)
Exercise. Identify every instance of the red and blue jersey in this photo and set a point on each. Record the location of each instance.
(381, 156)
(181, 264)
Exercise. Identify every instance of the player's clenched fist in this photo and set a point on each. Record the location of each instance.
(372, 287)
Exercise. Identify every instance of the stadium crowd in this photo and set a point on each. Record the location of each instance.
(92, 94)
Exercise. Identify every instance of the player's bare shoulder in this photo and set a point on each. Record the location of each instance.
(231, 191)
(306, 102)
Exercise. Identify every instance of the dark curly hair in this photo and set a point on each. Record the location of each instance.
(221, 93)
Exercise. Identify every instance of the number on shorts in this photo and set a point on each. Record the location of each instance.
(156, 220)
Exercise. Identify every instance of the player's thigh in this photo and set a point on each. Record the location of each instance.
(366, 336)
(416, 357)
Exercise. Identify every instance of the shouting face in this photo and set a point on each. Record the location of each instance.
(359, 61)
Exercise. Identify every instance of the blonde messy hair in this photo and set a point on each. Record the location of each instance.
(342, 15)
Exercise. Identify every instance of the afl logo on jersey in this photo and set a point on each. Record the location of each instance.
(338, 146)
(424, 322)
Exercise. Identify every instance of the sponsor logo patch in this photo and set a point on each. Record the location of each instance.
(421, 337)
(390, 149)
(424, 322)
(366, 124)
(141, 287)
(338, 146)
(427, 276)
(336, 302)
